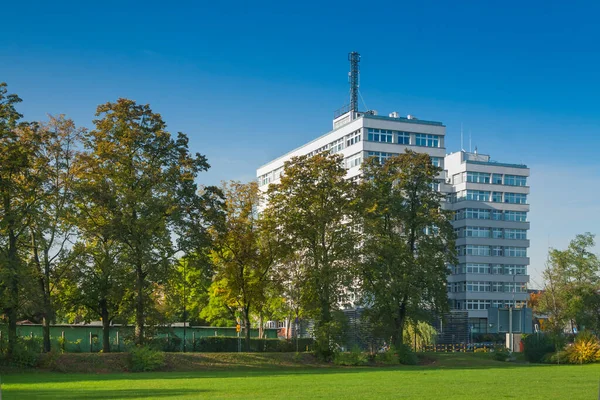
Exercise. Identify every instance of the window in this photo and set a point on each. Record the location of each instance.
(515, 180)
(474, 250)
(337, 146)
(497, 251)
(353, 138)
(516, 269)
(497, 287)
(403, 138)
(498, 269)
(478, 177)
(515, 252)
(519, 234)
(497, 215)
(427, 140)
(515, 287)
(475, 231)
(478, 268)
(436, 161)
(476, 213)
(497, 179)
(515, 198)
(497, 233)
(478, 195)
(477, 304)
(517, 216)
(354, 161)
(497, 197)
(478, 286)
(380, 135)
(380, 155)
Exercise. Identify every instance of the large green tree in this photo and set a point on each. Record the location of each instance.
(51, 224)
(407, 242)
(147, 178)
(572, 286)
(20, 165)
(244, 253)
(311, 208)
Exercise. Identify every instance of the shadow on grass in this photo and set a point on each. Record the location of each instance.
(98, 394)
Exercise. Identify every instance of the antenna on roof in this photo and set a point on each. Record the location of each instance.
(354, 59)
(462, 147)
(469, 140)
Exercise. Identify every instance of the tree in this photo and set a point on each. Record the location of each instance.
(244, 251)
(311, 208)
(408, 241)
(572, 285)
(146, 179)
(51, 224)
(20, 161)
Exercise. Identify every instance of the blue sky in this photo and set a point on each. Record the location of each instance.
(248, 81)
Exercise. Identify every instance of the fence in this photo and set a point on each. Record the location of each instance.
(88, 338)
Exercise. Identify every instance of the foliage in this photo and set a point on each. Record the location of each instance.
(354, 357)
(585, 349)
(406, 356)
(310, 210)
(418, 336)
(144, 359)
(23, 355)
(244, 250)
(408, 241)
(571, 295)
(388, 357)
(537, 347)
(229, 344)
(501, 353)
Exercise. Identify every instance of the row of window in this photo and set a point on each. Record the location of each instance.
(389, 136)
(495, 215)
(484, 177)
(491, 251)
(484, 195)
(486, 304)
(493, 233)
(496, 269)
(482, 286)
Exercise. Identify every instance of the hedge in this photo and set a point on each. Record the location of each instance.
(217, 344)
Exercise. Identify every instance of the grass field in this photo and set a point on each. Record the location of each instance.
(452, 376)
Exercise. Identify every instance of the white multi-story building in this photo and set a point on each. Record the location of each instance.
(358, 136)
(489, 200)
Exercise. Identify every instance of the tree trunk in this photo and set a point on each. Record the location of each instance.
(247, 327)
(398, 338)
(139, 308)
(105, 327)
(48, 311)
(13, 289)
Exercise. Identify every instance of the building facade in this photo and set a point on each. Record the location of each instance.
(489, 200)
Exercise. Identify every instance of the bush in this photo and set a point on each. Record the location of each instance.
(501, 353)
(353, 358)
(536, 347)
(21, 357)
(145, 359)
(388, 357)
(406, 356)
(585, 349)
(229, 344)
(556, 358)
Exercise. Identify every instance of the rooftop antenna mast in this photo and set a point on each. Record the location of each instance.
(354, 59)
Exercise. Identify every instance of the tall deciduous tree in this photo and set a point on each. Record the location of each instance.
(572, 285)
(20, 161)
(147, 177)
(244, 253)
(407, 241)
(51, 224)
(311, 208)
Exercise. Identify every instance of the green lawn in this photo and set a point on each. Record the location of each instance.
(450, 377)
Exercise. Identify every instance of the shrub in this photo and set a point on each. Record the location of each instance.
(585, 349)
(353, 358)
(559, 357)
(406, 356)
(21, 357)
(480, 350)
(501, 353)
(388, 357)
(145, 359)
(536, 347)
